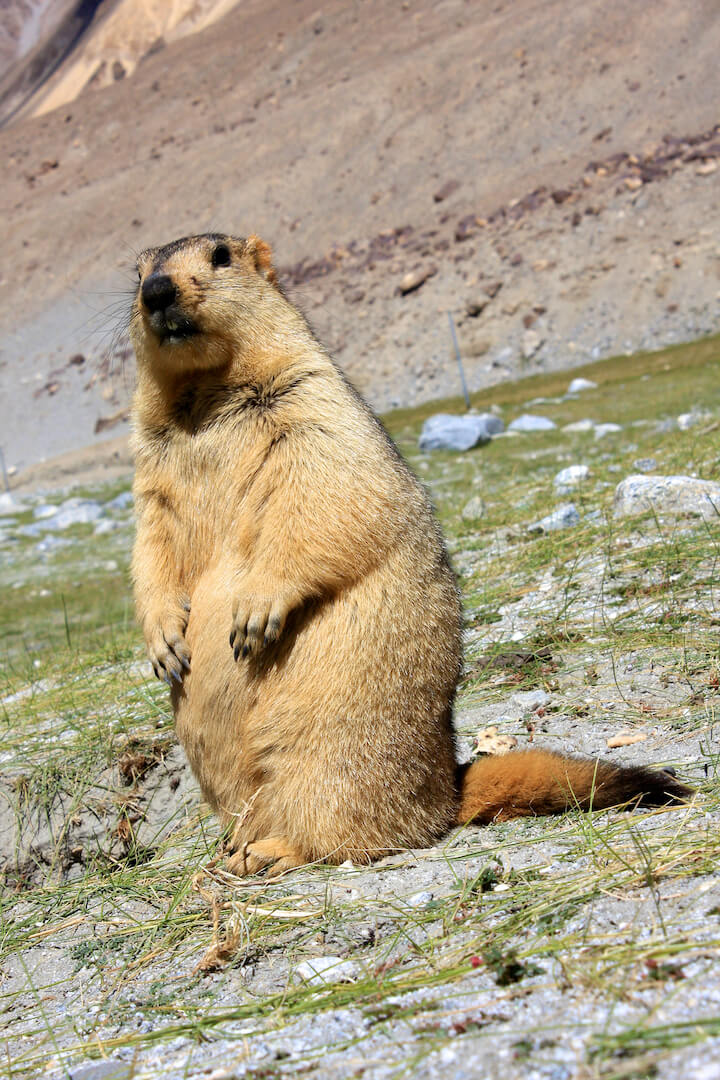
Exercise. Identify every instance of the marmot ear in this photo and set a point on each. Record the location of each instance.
(261, 254)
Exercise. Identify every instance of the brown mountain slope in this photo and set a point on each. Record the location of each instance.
(320, 128)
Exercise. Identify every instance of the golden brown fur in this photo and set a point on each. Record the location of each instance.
(293, 586)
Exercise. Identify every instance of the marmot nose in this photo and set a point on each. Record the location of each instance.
(158, 292)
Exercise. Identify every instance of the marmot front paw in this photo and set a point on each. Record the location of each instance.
(257, 621)
(167, 648)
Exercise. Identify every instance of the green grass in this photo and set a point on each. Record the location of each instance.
(616, 618)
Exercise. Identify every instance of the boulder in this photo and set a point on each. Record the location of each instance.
(445, 432)
(673, 495)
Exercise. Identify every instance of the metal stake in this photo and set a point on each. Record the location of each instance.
(459, 361)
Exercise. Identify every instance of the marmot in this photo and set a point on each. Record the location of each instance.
(293, 587)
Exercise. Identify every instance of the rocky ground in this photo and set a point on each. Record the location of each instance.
(583, 946)
(547, 173)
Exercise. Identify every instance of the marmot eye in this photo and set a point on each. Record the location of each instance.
(221, 255)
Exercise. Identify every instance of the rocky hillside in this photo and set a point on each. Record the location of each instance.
(546, 172)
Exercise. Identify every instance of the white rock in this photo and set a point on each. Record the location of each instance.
(580, 425)
(9, 504)
(530, 700)
(646, 464)
(578, 385)
(45, 510)
(689, 419)
(325, 970)
(420, 899)
(474, 509)
(601, 430)
(563, 517)
(531, 342)
(668, 495)
(121, 501)
(571, 476)
(528, 422)
(107, 526)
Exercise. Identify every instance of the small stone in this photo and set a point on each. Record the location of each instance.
(44, 510)
(121, 501)
(571, 476)
(578, 385)
(690, 419)
(645, 464)
(580, 426)
(601, 430)
(9, 504)
(413, 280)
(531, 342)
(73, 512)
(625, 738)
(476, 306)
(446, 432)
(101, 1070)
(325, 970)
(706, 168)
(490, 741)
(420, 899)
(527, 422)
(107, 526)
(474, 509)
(449, 188)
(530, 700)
(671, 495)
(564, 517)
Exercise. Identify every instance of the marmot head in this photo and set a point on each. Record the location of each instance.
(198, 298)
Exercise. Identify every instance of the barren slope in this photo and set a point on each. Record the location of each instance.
(318, 129)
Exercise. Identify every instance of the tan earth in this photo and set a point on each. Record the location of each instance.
(546, 172)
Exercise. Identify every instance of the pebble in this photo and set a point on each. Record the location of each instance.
(413, 280)
(9, 504)
(528, 422)
(571, 476)
(690, 419)
(107, 525)
(420, 899)
(601, 430)
(74, 511)
(121, 501)
(578, 385)
(101, 1070)
(474, 509)
(445, 432)
(324, 970)
(563, 517)
(580, 426)
(530, 700)
(668, 495)
(645, 464)
(531, 342)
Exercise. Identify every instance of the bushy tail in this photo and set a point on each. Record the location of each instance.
(528, 783)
